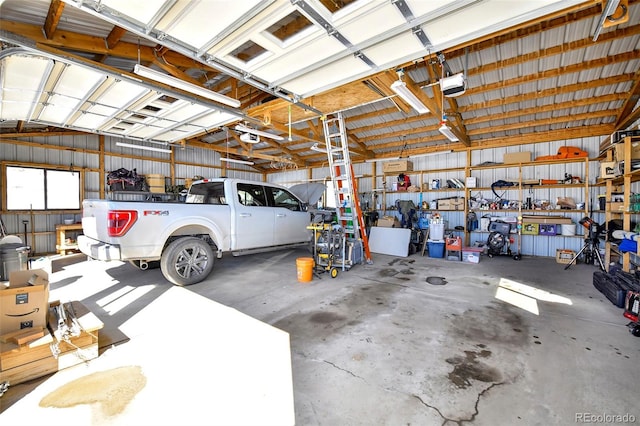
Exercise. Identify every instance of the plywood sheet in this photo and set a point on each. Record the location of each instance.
(391, 241)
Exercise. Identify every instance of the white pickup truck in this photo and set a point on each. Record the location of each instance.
(218, 215)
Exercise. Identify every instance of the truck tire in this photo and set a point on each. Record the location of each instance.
(187, 261)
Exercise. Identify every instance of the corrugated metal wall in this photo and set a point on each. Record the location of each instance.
(81, 152)
(452, 165)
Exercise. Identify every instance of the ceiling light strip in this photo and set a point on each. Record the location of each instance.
(431, 154)
(172, 81)
(401, 89)
(233, 160)
(102, 11)
(446, 131)
(143, 147)
(375, 160)
(246, 129)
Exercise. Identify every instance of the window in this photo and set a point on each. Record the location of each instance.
(206, 193)
(282, 198)
(30, 188)
(251, 195)
(290, 26)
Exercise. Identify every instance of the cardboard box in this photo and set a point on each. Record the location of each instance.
(618, 151)
(548, 229)
(564, 256)
(445, 205)
(616, 206)
(156, 183)
(458, 203)
(608, 169)
(397, 166)
(388, 222)
(530, 228)
(517, 157)
(24, 303)
(451, 204)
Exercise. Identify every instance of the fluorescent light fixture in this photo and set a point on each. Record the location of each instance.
(374, 160)
(429, 154)
(316, 148)
(143, 147)
(233, 160)
(608, 10)
(446, 130)
(246, 129)
(401, 89)
(184, 85)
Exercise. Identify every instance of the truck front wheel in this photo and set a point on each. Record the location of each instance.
(187, 261)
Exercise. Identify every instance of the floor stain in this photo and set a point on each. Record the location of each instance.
(110, 391)
(325, 317)
(386, 273)
(491, 324)
(351, 309)
(436, 280)
(468, 367)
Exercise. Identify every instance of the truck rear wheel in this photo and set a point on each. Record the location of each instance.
(187, 261)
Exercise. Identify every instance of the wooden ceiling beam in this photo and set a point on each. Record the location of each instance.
(540, 137)
(243, 152)
(548, 93)
(114, 37)
(615, 97)
(56, 7)
(64, 40)
(627, 114)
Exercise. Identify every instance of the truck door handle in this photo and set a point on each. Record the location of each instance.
(245, 214)
(281, 215)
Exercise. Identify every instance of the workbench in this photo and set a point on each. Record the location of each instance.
(61, 237)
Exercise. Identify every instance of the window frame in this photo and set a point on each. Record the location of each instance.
(45, 167)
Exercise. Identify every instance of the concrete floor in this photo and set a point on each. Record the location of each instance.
(413, 340)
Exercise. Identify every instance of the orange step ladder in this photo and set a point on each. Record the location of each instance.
(345, 186)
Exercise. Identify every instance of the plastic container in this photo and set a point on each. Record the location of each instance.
(568, 229)
(436, 248)
(471, 254)
(13, 257)
(436, 231)
(304, 266)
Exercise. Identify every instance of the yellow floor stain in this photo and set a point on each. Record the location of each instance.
(110, 390)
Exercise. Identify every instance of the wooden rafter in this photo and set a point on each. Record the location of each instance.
(56, 7)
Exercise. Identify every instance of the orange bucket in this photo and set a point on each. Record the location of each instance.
(304, 266)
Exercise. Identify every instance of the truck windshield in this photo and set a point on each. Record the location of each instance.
(206, 193)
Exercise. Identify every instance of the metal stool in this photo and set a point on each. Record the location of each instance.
(453, 248)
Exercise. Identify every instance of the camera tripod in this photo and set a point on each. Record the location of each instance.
(590, 250)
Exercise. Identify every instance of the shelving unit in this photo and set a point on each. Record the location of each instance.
(522, 174)
(625, 213)
(420, 179)
(525, 183)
